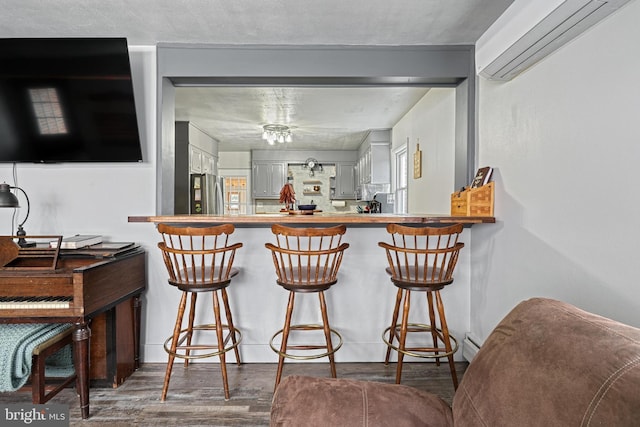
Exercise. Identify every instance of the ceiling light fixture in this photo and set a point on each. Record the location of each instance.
(273, 133)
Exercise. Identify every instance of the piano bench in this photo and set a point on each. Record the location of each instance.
(41, 390)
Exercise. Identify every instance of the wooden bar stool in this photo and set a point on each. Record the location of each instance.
(200, 259)
(306, 261)
(421, 259)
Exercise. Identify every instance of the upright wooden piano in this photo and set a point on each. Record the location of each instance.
(98, 287)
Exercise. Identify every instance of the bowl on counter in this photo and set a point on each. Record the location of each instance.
(306, 207)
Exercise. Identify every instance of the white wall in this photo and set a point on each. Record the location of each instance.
(565, 142)
(431, 123)
(234, 159)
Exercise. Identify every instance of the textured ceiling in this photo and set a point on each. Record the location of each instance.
(357, 22)
(319, 118)
(232, 115)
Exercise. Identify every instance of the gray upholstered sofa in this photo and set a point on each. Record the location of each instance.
(546, 364)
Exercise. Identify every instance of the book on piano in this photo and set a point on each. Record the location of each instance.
(101, 250)
(78, 241)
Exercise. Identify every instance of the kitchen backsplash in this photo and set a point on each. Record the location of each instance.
(309, 188)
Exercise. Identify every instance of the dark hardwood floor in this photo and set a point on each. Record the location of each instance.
(196, 397)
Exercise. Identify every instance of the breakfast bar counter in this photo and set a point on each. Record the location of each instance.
(360, 305)
(315, 218)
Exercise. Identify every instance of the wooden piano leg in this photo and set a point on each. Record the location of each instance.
(81, 339)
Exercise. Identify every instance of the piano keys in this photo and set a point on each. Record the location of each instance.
(24, 303)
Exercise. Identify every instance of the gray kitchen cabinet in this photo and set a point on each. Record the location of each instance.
(343, 184)
(267, 179)
(201, 161)
(374, 159)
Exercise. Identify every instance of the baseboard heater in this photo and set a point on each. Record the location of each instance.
(469, 347)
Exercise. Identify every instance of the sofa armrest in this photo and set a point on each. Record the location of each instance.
(310, 402)
(549, 363)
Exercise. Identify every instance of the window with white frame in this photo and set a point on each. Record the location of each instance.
(401, 179)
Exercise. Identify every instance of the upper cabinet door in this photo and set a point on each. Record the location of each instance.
(345, 181)
(208, 163)
(267, 179)
(195, 159)
(374, 162)
(201, 162)
(367, 166)
(259, 180)
(278, 177)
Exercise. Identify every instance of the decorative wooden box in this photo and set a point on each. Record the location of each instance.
(473, 201)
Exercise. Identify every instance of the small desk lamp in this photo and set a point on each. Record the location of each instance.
(9, 200)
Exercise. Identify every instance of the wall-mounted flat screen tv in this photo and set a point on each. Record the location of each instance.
(67, 100)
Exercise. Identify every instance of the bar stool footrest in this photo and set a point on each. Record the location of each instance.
(308, 327)
(235, 340)
(425, 353)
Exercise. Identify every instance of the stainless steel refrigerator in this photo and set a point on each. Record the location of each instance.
(206, 194)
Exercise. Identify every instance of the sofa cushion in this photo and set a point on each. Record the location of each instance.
(309, 401)
(548, 363)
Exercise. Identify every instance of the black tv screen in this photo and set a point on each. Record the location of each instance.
(67, 100)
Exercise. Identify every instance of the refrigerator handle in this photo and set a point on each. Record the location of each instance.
(219, 196)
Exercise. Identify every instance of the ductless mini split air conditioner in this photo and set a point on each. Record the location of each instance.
(530, 30)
